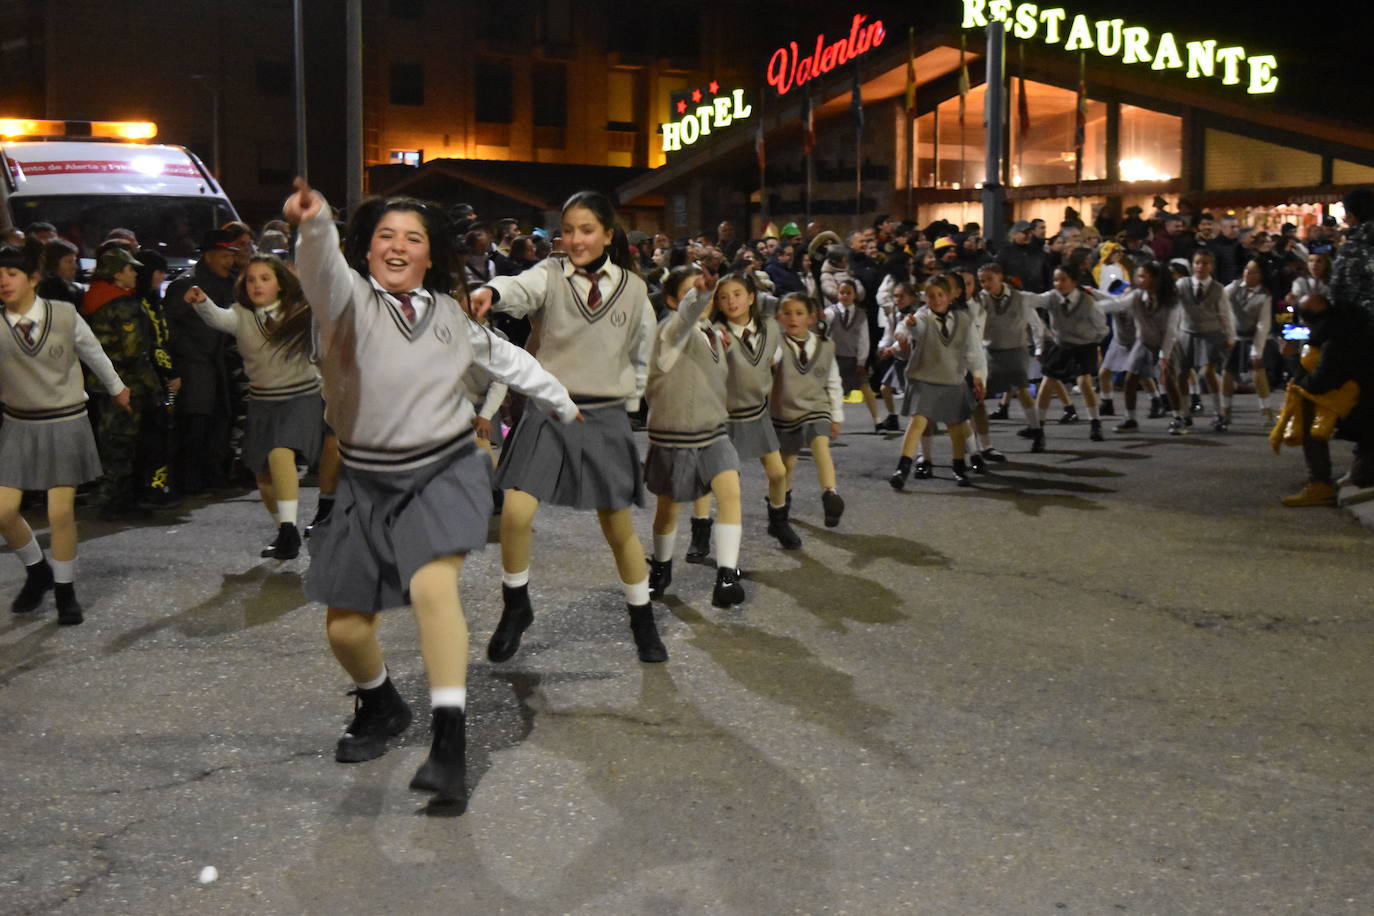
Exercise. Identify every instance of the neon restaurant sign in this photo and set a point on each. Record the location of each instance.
(1135, 44)
(787, 68)
(699, 113)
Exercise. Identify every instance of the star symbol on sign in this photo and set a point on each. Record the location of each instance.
(696, 95)
(714, 87)
(681, 107)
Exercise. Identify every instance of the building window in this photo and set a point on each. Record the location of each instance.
(1151, 145)
(276, 162)
(505, 23)
(630, 27)
(411, 157)
(556, 23)
(495, 101)
(407, 84)
(620, 100)
(406, 9)
(550, 95)
(274, 77)
(1042, 145)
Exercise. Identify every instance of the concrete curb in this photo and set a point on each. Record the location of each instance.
(1358, 502)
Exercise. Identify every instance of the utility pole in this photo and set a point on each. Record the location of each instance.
(354, 118)
(300, 88)
(994, 195)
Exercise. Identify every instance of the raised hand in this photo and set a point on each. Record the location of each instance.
(195, 295)
(304, 204)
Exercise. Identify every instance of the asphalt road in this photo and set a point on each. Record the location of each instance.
(1115, 677)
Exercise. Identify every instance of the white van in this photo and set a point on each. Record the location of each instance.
(87, 177)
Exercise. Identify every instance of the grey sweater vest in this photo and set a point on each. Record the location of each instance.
(847, 337)
(751, 375)
(43, 382)
(1006, 320)
(934, 359)
(799, 394)
(687, 403)
(271, 376)
(1077, 321)
(1201, 317)
(1246, 305)
(589, 352)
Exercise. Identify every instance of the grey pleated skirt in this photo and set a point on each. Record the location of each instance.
(684, 474)
(295, 423)
(753, 438)
(42, 454)
(385, 526)
(588, 465)
(1143, 361)
(792, 439)
(1204, 350)
(1008, 369)
(949, 404)
(1118, 357)
(895, 377)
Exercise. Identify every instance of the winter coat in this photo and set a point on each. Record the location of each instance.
(1352, 273)
(198, 349)
(1027, 265)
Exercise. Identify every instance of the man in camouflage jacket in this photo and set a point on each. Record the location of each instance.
(1352, 273)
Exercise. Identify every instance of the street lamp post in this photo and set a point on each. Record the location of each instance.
(300, 87)
(994, 195)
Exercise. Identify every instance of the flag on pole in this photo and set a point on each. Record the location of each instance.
(808, 125)
(963, 76)
(856, 102)
(909, 100)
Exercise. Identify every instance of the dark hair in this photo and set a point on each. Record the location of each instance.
(1325, 259)
(744, 278)
(358, 237)
(291, 337)
(151, 262)
(601, 207)
(55, 251)
(121, 233)
(237, 228)
(27, 257)
(1205, 254)
(519, 244)
(811, 307)
(1359, 203)
(1165, 291)
(40, 226)
(676, 278)
(114, 242)
(992, 267)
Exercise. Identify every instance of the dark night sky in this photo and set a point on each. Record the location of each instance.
(1325, 50)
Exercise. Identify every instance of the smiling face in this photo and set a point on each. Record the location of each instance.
(261, 284)
(17, 288)
(796, 318)
(584, 238)
(398, 256)
(734, 301)
(1063, 282)
(937, 298)
(991, 281)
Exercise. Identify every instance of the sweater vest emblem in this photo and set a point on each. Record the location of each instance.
(619, 318)
(56, 352)
(443, 332)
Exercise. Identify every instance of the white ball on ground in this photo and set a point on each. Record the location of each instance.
(209, 874)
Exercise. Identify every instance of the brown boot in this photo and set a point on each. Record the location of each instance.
(1315, 493)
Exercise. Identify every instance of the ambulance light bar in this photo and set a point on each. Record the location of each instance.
(15, 128)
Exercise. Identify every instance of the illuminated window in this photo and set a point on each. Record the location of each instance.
(1042, 148)
(620, 100)
(1151, 145)
(411, 157)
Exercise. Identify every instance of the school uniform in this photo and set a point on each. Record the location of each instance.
(596, 341)
(1074, 330)
(1006, 320)
(414, 487)
(688, 441)
(807, 393)
(945, 350)
(1253, 311)
(1118, 355)
(487, 394)
(1207, 324)
(1155, 329)
(285, 409)
(847, 327)
(46, 439)
(749, 380)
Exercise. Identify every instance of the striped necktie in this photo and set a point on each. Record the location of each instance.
(745, 339)
(26, 328)
(801, 351)
(408, 310)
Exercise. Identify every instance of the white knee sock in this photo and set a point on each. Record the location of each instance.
(516, 579)
(727, 545)
(286, 511)
(1033, 417)
(1093, 414)
(1130, 413)
(1216, 402)
(64, 571)
(1226, 404)
(448, 696)
(664, 544)
(30, 553)
(636, 593)
(373, 684)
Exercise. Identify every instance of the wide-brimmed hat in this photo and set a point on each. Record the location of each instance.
(115, 260)
(218, 239)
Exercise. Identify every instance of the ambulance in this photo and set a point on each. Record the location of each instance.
(88, 177)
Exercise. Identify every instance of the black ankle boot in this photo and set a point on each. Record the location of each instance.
(1108, 408)
(780, 527)
(833, 506)
(516, 617)
(700, 547)
(960, 472)
(445, 770)
(899, 476)
(646, 634)
(728, 589)
(322, 510)
(378, 714)
(1038, 440)
(287, 546)
(660, 577)
(69, 610)
(37, 581)
(923, 470)
(976, 462)
(1095, 433)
